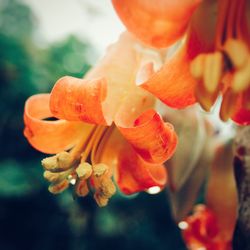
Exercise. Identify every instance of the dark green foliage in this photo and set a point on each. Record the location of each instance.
(15, 20)
(26, 69)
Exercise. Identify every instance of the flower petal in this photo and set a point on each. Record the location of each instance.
(222, 186)
(188, 167)
(242, 117)
(120, 67)
(154, 140)
(132, 173)
(49, 136)
(107, 89)
(157, 23)
(190, 127)
(173, 84)
(201, 231)
(77, 99)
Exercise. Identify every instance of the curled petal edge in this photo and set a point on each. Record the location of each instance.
(173, 84)
(76, 99)
(131, 172)
(153, 140)
(40, 132)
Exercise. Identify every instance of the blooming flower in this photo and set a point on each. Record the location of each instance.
(107, 127)
(213, 56)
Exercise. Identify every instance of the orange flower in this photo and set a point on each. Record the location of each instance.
(132, 150)
(213, 57)
(200, 231)
(212, 226)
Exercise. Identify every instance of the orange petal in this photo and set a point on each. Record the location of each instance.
(221, 186)
(154, 140)
(201, 34)
(201, 231)
(132, 173)
(49, 136)
(77, 99)
(109, 88)
(157, 23)
(173, 84)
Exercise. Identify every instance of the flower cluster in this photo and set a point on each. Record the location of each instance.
(106, 120)
(107, 129)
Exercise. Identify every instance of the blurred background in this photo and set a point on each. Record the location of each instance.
(40, 41)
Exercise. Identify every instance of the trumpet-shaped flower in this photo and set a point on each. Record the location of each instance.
(106, 128)
(213, 57)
